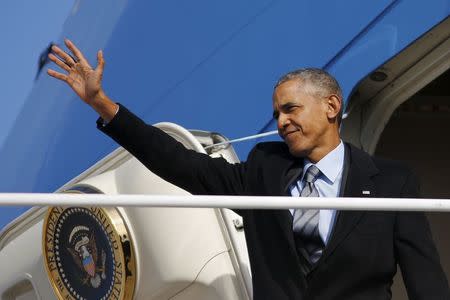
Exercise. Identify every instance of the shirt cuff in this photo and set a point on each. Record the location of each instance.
(103, 123)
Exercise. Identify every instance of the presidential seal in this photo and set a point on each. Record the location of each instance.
(88, 253)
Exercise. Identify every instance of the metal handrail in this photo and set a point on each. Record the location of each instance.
(236, 202)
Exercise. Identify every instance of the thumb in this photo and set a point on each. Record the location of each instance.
(100, 62)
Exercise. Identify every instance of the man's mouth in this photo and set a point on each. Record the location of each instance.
(291, 132)
(286, 134)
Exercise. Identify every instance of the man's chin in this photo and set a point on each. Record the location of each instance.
(298, 152)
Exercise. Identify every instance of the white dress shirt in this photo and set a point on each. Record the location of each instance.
(328, 184)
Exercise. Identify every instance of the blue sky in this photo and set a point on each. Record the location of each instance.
(26, 29)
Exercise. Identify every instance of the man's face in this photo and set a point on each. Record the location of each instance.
(301, 118)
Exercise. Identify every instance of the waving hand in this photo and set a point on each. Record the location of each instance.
(84, 80)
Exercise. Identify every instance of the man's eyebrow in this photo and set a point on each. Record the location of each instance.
(283, 106)
(287, 104)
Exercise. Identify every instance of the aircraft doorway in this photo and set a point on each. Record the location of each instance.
(418, 134)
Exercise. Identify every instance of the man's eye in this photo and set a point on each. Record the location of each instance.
(291, 108)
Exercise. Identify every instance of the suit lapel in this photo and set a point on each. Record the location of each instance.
(284, 219)
(357, 175)
(293, 169)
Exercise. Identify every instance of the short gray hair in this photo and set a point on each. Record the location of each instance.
(320, 80)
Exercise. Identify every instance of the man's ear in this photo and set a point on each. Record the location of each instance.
(334, 104)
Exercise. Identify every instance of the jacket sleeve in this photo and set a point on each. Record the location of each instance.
(416, 252)
(195, 172)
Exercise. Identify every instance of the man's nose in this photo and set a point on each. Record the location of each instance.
(283, 121)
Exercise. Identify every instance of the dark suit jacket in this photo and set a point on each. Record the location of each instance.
(361, 257)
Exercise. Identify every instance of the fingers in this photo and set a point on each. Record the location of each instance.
(57, 75)
(78, 55)
(100, 61)
(66, 58)
(60, 76)
(61, 64)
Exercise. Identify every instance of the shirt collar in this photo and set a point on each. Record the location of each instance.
(330, 165)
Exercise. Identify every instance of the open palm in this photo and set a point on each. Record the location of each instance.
(81, 77)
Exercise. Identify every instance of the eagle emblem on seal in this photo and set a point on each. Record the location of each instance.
(84, 252)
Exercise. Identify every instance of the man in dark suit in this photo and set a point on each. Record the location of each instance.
(296, 254)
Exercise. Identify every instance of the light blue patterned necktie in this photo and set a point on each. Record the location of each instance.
(306, 221)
